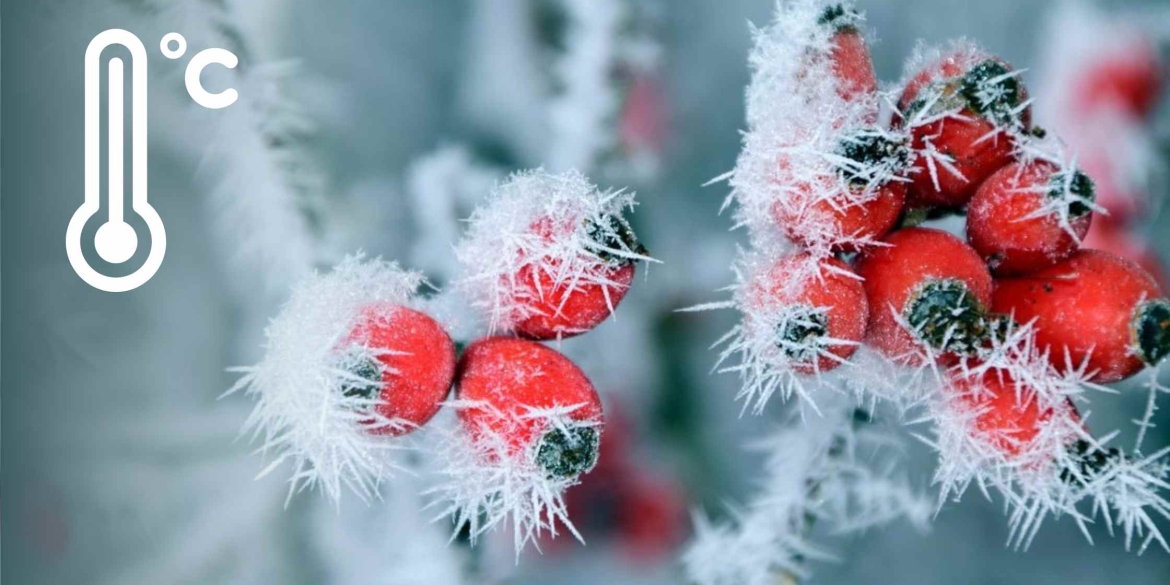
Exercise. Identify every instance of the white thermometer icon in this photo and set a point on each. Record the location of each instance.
(116, 241)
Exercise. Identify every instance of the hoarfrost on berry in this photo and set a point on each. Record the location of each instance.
(303, 413)
(487, 481)
(539, 234)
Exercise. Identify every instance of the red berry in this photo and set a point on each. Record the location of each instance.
(817, 309)
(1118, 191)
(1111, 237)
(416, 363)
(642, 124)
(558, 310)
(1027, 217)
(1130, 80)
(960, 107)
(557, 305)
(1009, 417)
(651, 515)
(854, 205)
(512, 376)
(937, 285)
(1098, 307)
(852, 63)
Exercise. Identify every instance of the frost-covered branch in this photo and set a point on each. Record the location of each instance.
(829, 471)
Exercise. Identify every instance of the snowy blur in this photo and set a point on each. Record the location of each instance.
(378, 126)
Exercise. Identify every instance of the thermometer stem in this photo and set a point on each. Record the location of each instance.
(116, 128)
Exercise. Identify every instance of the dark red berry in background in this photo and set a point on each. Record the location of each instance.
(832, 306)
(416, 364)
(1130, 80)
(938, 286)
(984, 101)
(512, 376)
(1029, 216)
(1097, 307)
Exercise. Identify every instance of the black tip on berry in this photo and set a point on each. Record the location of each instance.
(568, 453)
(1087, 462)
(798, 337)
(873, 152)
(839, 18)
(1152, 325)
(1079, 191)
(989, 88)
(366, 381)
(947, 317)
(611, 234)
(565, 454)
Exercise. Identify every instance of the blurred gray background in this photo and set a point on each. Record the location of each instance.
(121, 466)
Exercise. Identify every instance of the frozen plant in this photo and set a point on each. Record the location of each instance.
(308, 412)
(833, 472)
(832, 198)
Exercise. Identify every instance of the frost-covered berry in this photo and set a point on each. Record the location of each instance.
(549, 256)
(814, 315)
(534, 400)
(530, 426)
(401, 361)
(557, 308)
(1029, 216)
(852, 63)
(346, 367)
(962, 109)
(1007, 416)
(925, 288)
(1094, 310)
(859, 201)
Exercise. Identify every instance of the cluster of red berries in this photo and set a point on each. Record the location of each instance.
(500, 381)
(963, 141)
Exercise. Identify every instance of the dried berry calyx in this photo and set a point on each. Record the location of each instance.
(947, 317)
(840, 18)
(873, 155)
(1088, 462)
(365, 381)
(1076, 189)
(566, 453)
(800, 336)
(991, 89)
(611, 235)
(1152, 330)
